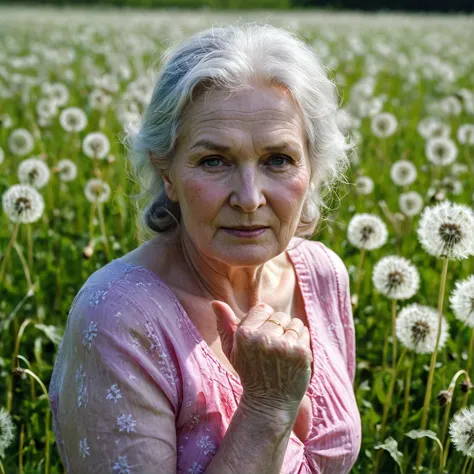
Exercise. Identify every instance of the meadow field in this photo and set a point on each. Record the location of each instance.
(73, 84)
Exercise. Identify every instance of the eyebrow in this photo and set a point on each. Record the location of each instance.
(209, 145)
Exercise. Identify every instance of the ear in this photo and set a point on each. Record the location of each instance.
(169, 186)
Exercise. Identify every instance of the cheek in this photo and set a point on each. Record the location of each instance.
(202, 199)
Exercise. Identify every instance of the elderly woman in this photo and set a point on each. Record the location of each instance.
(238, 140)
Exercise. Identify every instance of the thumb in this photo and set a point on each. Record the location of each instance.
(227, 323)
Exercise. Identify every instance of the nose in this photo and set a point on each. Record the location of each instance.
(247, 190)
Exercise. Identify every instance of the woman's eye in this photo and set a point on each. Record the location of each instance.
(275, 157)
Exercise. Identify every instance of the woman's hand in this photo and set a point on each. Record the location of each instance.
(274, 366)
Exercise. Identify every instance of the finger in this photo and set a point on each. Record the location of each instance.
(257, 316)
(295, 329)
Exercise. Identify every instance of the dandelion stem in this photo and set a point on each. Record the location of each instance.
(30, 245)
(359, 277)
(20, 449)
(9, 249)
(14, 363)
(102, 229)
(388, 401)
(407, 392)
(24, 264)
(48, 410)
(2, 471)
(385, 349)
(447, 411)
(91, 220)
(469, 356)
(426, 404)
(466, 462)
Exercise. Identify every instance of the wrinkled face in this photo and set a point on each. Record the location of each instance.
(241, 160)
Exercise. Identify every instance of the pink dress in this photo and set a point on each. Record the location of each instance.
(127, 334)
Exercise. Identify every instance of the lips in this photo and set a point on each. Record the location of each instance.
(245, 228)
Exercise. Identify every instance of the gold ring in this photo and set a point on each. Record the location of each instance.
(290, 329)
(278, 323)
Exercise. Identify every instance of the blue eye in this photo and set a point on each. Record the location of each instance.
(278, 157)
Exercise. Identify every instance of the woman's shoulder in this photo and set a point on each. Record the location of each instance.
(121, 294)
(325, 261)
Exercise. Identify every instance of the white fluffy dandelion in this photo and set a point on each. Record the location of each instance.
(22, 203)
(21, 142)
(67, 170)
(46, 108)
(411, 203)
(447, 230)
(452, 185)
(73, 119)
(441, 151)
(97, 190)
(34, 172)
(367, 231)
(462, 301)
(7, 431)
(384, 124)
(96, 145)
(403, 172)
(364, 185)
(461, 430)
(417, 328)
(396, 277)
(466, 134)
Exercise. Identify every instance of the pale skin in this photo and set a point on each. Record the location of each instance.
(244, 184)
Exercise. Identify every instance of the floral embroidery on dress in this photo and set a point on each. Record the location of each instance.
(207, 445)
(96, 297)
(84, 448)
(89, 335)
(114, 393)
(121, 466)
(196, 468)
(164, 361)
(82, 396)
(126, 423)
(194, 421)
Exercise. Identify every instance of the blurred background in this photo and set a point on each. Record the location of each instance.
(363, 5)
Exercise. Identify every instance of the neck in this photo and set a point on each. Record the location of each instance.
(241, 287)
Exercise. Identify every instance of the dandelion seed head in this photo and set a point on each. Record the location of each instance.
(96, 145)
(465, 134)
(411, 203)
(97, 190)
(403, 172)
(417, 328)
(447, 230)
(384, 124)
(73, 119)
(7, 431)
(396, 277)
(462, 301)
(441, 151)
(22, 203)
(21, 142)
(67, 170)
(33, 172)
(367, 231)
(364, 185)
(461, 430)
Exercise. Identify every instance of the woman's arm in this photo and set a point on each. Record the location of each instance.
(114, 391)
(255, 441)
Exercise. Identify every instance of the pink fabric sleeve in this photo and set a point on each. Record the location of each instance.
(115, 393)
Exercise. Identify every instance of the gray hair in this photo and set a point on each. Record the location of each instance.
(232, 57)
